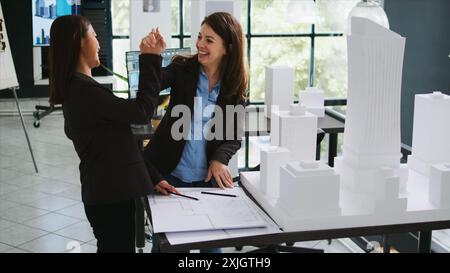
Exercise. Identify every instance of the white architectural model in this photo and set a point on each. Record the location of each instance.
(430, 143)
(368, 185)
(313, 99)
(279, 93)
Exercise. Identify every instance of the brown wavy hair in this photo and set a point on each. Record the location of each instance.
(65, 46)
(233, 68)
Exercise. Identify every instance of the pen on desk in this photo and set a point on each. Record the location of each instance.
(221, 194)
(182, 195)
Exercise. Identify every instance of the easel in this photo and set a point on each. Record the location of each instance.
(8, 79)
(14, 91)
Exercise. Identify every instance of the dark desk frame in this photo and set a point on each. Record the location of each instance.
(284, 237)
(424, 228)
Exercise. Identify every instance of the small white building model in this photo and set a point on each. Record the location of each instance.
(272, 159)
(313, 99)
(279, 93)
(431, 131)
(295, 130)
(309, 189)
(439, 193)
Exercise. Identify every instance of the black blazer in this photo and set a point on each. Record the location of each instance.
(112, 168)
(163, 151)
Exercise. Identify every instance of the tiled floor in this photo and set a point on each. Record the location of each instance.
(42, 212)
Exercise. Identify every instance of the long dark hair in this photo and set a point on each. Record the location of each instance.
(65, 45)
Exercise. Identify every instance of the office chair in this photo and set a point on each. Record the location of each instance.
(42, 111)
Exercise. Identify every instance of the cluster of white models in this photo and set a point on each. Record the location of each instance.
(368, 185)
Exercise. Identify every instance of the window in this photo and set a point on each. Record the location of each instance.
(120, 12)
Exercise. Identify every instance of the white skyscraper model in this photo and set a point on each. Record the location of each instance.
(431, 131)
(279, 93)
(372, 125)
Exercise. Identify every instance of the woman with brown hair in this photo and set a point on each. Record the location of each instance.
(112, 170)
(216, 77)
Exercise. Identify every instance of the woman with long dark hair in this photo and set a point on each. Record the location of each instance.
(216, 77)
(113, 172)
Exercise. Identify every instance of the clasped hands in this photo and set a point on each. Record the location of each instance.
(153, 43)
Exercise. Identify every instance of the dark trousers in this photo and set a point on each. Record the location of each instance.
(113, 226)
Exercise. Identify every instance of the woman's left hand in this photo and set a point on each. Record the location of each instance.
(221, 173)
(163, 187)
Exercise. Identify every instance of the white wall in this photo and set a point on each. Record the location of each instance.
(142, 22)
(202, 8)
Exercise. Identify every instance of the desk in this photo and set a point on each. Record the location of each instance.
(424, 229)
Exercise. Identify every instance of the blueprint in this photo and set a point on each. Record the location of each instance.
(176, 238)
(211, 212)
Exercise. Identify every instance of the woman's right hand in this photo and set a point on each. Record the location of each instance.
(153, 43)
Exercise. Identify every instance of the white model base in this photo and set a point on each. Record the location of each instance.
(367, 179)
(418, 208)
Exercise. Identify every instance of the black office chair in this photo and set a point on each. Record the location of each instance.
(42, 111)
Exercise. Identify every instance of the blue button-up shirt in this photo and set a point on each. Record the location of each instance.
(193, 165)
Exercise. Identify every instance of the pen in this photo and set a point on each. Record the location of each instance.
(221, 194)
(182, 195)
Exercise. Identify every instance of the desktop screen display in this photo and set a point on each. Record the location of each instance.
(132, 60)
(44, 12)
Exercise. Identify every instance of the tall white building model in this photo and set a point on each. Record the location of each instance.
(368, 184)
(372, 126)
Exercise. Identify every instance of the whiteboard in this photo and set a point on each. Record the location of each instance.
(8, 77)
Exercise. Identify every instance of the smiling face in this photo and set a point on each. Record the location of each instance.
(90, 48)
(210, 47)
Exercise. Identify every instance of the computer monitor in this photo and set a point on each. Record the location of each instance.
(132, 60)
(44, 12)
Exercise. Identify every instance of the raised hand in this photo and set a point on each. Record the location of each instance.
(153, 43)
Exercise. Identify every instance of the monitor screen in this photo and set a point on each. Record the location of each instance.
(132, 60)
(44, 12)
